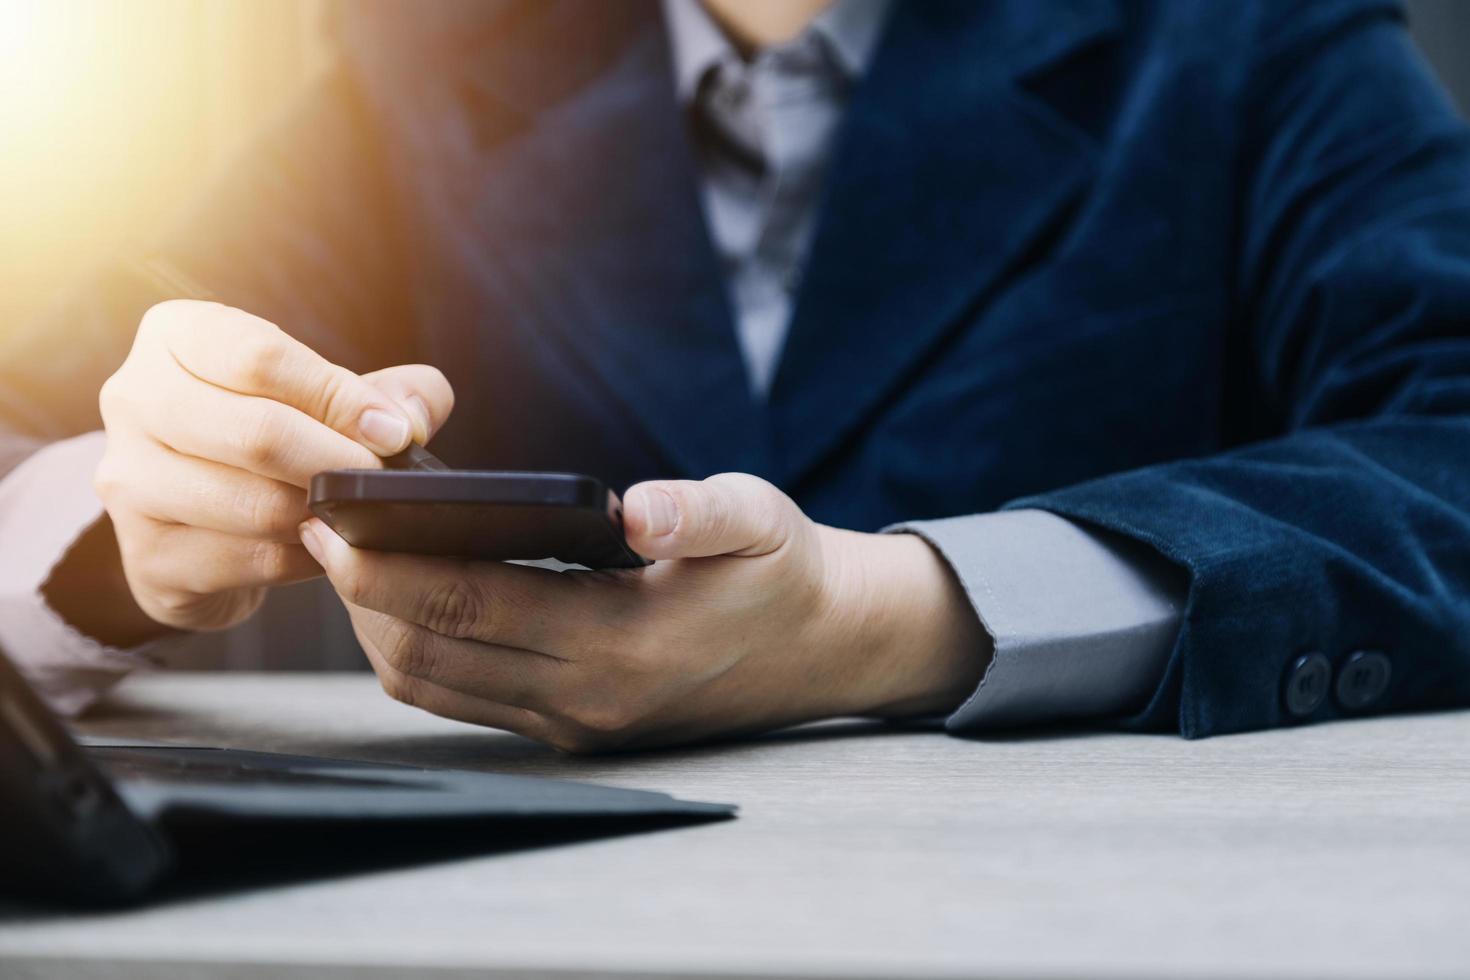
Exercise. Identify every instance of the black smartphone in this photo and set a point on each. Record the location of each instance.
(484, 514)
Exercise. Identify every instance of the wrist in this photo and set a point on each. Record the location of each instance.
(914, 644)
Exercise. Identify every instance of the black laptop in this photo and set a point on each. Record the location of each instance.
(108, 823)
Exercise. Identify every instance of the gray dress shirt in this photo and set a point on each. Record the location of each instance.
(1081, 624)
(763, 135)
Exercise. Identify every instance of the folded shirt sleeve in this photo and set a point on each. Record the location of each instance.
(1082, 621)
(46, 503)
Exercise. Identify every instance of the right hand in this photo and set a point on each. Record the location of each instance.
(215, 424)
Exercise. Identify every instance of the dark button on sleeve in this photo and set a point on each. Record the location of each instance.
(1362, 679)
(1307, 681)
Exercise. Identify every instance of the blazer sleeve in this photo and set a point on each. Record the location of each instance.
(1328, 563)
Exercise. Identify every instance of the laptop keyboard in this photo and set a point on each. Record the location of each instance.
(181, 764)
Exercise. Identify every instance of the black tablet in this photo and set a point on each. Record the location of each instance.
(483, 514)
(98, 824)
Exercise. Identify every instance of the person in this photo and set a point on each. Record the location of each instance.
(996, 363)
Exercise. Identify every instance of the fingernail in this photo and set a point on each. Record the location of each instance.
(386, 434)
(311, 538)
(660, 513)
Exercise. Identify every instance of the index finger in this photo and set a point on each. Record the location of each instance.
(243, 353)
(533, 609)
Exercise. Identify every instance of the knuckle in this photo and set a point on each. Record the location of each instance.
(580, 741)
(161, 318)
(405, 650)
(353, 582)
(763, 497)
(398, 687)
(107, 480)
(161, 601)
(356, 579)
(108, 397)
(526, 722)
(454, 608)
(746, 487)
(270, 560)
(171, 605)
(769, 526)
(437, 387)
(720, 503)
(603, 719)
(573, 743)
(118, 399)
(202, 613)
(712, 520)
(638, 660)
(333, 397)
(762, 507)
(748, 491)
(164, 322)
(259, 354)
(143, 566)
(436, 378)
(261, 441)
(137, 552)
(272, 510)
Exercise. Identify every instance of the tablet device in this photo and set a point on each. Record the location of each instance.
(485, 514)
(103, 824)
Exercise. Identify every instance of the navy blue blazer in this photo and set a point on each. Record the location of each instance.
(1195, 272)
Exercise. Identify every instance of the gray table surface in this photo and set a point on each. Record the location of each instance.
(1339, 850)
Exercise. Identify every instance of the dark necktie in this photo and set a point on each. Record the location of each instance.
(726, 117)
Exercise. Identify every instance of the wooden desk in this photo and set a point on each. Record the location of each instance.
(1331, 850)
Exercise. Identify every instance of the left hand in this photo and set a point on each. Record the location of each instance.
(753, 617)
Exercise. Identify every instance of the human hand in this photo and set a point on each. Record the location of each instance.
(753, 617)
(215, 425)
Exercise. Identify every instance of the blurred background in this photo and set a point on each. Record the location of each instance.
(111, 111)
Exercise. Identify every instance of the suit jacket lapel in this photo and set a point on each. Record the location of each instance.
(586, 221)
(947, 175)
(628, 283)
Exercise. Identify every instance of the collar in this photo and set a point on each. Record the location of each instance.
(850, 28)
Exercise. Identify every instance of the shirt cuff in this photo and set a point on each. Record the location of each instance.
(1082, 621)
(46, 503)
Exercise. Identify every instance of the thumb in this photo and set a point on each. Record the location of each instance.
(728, 514)
(421, 391)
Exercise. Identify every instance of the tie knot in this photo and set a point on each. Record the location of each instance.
(728, 116)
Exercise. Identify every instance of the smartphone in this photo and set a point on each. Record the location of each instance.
(483, 514)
